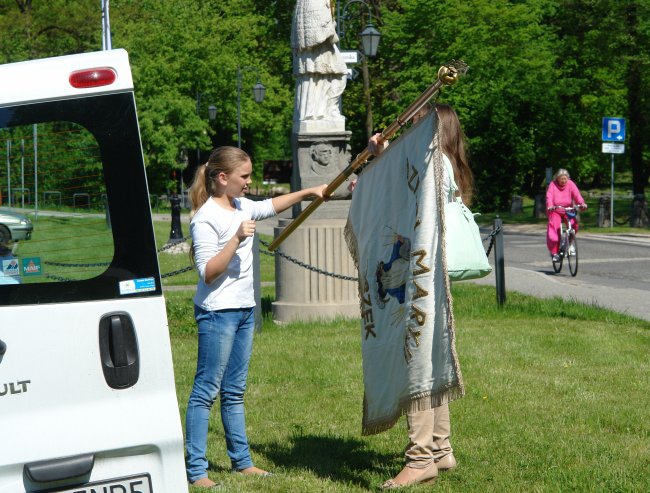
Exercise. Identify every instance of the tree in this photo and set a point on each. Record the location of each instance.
(190, 53)
(606, 53)
(507, 101)
(638, 90)
(38, 29)
(542, 75)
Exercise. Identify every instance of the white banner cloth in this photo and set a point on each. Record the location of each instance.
(395, 234)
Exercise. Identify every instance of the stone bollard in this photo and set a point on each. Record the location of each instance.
(604, 204)
(517, 205)
(639, 215)
(176, 233)
(539, 211)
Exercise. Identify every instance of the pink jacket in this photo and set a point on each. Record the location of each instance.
(565, 196)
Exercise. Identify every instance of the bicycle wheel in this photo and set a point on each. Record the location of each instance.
(572, 254)
(557, 264)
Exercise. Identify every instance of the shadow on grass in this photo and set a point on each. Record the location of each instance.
(219, 469)
(343, 460)
(267, 305)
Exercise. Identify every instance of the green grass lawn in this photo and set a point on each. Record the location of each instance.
(557, 400)
(69, 247)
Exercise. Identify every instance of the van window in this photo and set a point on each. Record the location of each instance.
(53, 174)
(74, 168)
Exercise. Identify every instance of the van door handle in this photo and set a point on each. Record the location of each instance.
(118, 349)
(68, 469)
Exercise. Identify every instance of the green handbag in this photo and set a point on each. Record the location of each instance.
(465, 253)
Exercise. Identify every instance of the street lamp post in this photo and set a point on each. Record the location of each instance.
(212, 112)
(212, 115)
(176, 232)
(258, 94)
(370, 38)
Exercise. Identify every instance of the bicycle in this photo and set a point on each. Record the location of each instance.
(568, 242)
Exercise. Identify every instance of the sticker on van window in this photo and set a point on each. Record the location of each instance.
(137, 285)
(32, 266)
(10, 267)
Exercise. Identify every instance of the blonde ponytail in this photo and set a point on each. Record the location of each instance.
(197, 191)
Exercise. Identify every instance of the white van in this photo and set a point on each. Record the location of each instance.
(87, 395)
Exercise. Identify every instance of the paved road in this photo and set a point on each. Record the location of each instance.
(613, 271)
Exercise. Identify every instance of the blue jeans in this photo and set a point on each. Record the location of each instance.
(225, 346)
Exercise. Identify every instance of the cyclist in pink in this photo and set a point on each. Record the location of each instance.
(562, 192)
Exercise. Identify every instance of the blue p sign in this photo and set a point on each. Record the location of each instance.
(613, 129)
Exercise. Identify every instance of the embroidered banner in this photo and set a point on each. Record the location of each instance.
(395, 234)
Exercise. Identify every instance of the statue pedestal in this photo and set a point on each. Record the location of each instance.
(302, 294)
(319, 158)
(320, 153)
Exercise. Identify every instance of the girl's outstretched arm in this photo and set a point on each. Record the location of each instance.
(283, 202)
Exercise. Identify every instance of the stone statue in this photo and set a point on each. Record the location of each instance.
(317, 64)
(320, 147)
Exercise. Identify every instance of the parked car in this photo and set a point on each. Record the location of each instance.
(14, 227)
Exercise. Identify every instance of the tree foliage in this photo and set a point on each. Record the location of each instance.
(542, 75)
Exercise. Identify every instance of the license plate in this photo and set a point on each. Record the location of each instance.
(131, 484)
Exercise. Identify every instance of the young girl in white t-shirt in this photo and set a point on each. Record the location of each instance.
(222, 227)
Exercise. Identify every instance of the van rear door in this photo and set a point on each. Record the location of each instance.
(87, 394)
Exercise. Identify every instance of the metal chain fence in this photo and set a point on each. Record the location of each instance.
(306, 266)
(491, 236)
(300, 263)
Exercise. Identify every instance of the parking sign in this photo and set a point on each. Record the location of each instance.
(613, 129)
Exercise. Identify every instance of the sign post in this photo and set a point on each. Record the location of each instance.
(351, 57)
(613, 138)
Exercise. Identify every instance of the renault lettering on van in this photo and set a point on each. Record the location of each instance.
(10, 388)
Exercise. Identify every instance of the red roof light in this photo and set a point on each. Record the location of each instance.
(92, 77)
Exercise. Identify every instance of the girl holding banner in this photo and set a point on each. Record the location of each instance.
(429, 449)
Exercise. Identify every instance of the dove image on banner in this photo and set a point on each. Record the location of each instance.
(395, 233)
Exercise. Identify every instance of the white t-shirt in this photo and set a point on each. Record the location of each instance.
(211, 228)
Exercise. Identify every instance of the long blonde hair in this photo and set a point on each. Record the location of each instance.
(222, 160)
(453, 142)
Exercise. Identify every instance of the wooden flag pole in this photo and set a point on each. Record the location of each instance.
(448, 75)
